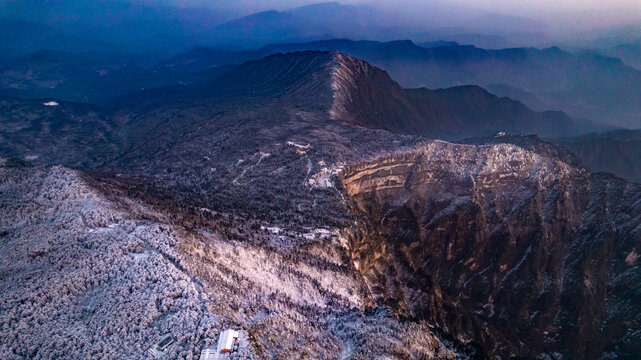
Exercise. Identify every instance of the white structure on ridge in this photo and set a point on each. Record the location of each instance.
(226, 343)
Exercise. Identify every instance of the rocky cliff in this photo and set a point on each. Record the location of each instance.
(515, 251)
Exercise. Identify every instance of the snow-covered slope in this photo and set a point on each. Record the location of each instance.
(86, 273)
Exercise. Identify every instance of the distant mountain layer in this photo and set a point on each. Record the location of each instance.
(617, 152)
(585, 85)
(629, 53)
(365, 95)
(163, 26)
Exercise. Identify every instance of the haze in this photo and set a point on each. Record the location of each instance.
(600, 12)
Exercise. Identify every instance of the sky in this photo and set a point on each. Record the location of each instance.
(508, 6)
(543, 6)
(582, 13)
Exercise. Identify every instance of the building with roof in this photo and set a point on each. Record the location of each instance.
(209, 353)
(227, 340)
(227, 343)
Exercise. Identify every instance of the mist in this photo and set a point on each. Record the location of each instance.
(166, 25)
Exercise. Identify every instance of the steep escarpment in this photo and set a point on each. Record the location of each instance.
(516, 252)
(367, 96)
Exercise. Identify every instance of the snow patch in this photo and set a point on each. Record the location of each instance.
(273, 229)
(299, 146)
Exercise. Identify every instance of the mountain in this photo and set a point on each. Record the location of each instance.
(310, 22)
(532, 101)
(291, 198)
(475, 111)
(548, 79)
(283, 115)
(563, 81)
(115, 273)
(196, 130)
(204, 220)
(344, 88)
(269, 25)
(616, 152)
(111, 25)
(367, 96)
(513, 250)
(345, 14)
(438, 43)
(630, 54)
(584, 85)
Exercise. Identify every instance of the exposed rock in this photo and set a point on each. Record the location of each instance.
(516, 252)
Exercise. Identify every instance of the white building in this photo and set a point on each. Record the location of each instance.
(226, 341)
(209, 354)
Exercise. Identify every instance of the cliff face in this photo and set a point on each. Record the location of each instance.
(365, 95)
(514, 251)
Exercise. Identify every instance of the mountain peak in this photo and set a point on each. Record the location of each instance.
(353, 91)
(365, 95)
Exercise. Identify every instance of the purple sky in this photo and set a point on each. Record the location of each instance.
(582, 13)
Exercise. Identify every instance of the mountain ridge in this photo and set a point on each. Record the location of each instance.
(546, 79)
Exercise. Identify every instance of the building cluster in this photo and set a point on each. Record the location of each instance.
(323, 179)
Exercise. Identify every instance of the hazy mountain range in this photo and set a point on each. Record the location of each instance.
(154, 27)
(585, 85)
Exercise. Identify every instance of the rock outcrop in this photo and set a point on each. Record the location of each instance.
(517, 252)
